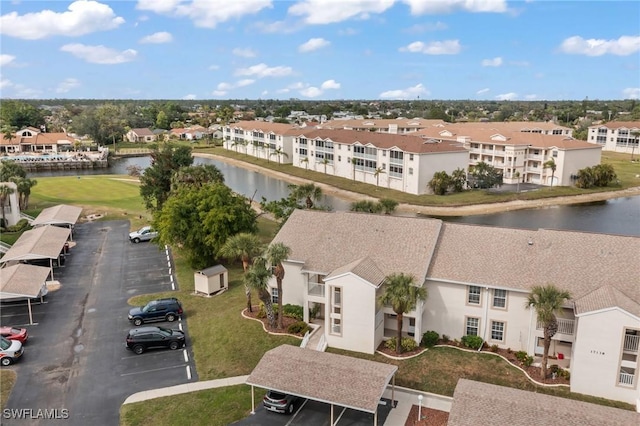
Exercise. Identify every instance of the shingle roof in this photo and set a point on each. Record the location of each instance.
(22, 281)
(618, 125)
(382, 123)
(364, 268)
(604, 298)
(322, 376)
(476, 403)
(40, 139)
(264, 126)
(45, 242)
(58, 215)
(142, 132)
(326, 241)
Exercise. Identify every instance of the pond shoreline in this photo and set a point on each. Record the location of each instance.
(475, 209)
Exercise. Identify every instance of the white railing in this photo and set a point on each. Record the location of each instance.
(322, 344)
(316, 289)
(565, 326)
(626, 379)
(305, 340)
(631, 343)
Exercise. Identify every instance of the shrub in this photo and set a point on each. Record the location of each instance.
(262, 311)
(564, 373)
(445, 338)
(473, 342)
(314, 311)
(408, 344)
(554, 369)
(509, 350)
(390, 344)
(528, 361)
(299, 327)
(21, 225)
(293, 311)
(494, 348)
(521, 356)
(429, 338)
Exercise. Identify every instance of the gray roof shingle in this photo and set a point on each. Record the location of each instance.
(22, 281)
(61, 214)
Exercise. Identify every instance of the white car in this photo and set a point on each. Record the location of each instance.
(143, 234)
(10, 351)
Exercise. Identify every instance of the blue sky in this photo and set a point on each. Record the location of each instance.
(320, 49)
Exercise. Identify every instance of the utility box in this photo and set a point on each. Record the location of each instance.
(211, 280)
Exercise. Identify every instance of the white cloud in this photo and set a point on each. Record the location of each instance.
(262, 70)
(205, 13)
(82, 17)
(330, 84)
(282, 27)
(313, 44)
(331, 11)
(6, 59)
(157, 38)
(296, 86)
(224, 87)
(189, 97)
(422, 7)
(311, 92)
(244, 53)
(4, 82)
(624, 46)
(409, 93)
(531, 97)
(67, 84)
(631, 93)
(347, 32)
(245, 82)
(482, 91)
(264, 93)
(447, 47)
(427, 27)
(99, 54)
(507, 96)
(214, 67)
(219, 93)
(495, 62)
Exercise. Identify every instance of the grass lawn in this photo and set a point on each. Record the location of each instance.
(625, 169)
(7, 380)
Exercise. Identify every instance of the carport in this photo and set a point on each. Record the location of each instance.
(46, 242)
(23, 282)
(329, 378)
(61, 215)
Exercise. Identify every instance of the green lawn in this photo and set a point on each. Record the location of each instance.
(7, 380)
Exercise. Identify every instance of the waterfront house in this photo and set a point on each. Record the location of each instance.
(616, 136)
(32, 140)
(140, 135)
(478, 279)
(260, 139)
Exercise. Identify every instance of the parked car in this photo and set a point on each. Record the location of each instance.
(143, 234)
(168, 309)
(10, 351)
(140, 339)
(12, 333)
(279, 402)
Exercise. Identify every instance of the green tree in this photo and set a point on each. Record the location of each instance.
(305, 160)
(550, 164)
(458, 179)
(246, 247)
(604, 175)
(5, 192)
(308, 192)
(634, 143)
(354, 162)
(276, 254)
(547, 301)
(199, 175)
(279, 152)
(483, 175)
(439, 183)
(377, 173)
(11, 169)
(19, 114)
(257, 278)
(8, 133)
(162, 121)
(155, 182)
(200, 219)
(517, 176)
(400, 291)
(24, 185)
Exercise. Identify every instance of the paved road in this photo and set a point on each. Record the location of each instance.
(75, 358)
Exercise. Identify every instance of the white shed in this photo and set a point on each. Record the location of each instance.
(211, 280)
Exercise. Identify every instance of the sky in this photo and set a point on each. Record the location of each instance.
(320, 49)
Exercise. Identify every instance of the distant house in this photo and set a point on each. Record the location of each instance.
(140, 135)
(33, 140)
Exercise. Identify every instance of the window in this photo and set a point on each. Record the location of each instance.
(336, 310)
(339, 158)
(303, 152)
(274, 295)
(410, 170)
(554, 154)
(473, 325)
(473, 296)
(499, 298)
(395, 171)
(337, 293)
(497, 331)
(410, 157)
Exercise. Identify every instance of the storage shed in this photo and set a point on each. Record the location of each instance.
(211, 280)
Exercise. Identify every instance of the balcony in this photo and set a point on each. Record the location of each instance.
(315, 289)
(631, 343)
(565, 326)
(626, 379)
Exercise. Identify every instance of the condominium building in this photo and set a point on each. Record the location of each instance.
(616, 136)
(394, 126)
(260, 139)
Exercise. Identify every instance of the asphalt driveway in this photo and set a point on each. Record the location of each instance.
(75, 358)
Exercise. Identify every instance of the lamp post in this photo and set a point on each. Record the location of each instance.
(420, 407)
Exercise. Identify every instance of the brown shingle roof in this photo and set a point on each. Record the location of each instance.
(22, 281)
(45, 242)
(364, 268)
(476, 403)
(604, 298)
(58, 215)
(142, 132)
(321, 376)
(39, 139)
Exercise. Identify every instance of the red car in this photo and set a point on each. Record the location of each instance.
(12, 333)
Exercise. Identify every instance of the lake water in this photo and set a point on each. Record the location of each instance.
(616, 216)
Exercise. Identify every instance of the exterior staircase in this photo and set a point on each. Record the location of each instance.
(30, 219)
(317, 340)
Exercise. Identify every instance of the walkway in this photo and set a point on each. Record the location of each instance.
(398, 416)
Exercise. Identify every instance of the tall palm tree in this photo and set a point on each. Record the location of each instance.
(276, 254)
(309, 192)
(354, 161)
(305, 160)
(517, 176)
(246, 247)
(257, 278)
(636, 136)
(377, 173)
(324, 162)
(24, 186)
(5, 192)
(402, 294)
(550, 164)
(279, 152)
(547, 301)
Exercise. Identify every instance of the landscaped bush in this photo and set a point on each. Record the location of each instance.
(429, 339)
(293, 311)
(299, 327)
(473, 342)
(494, 348)
(521, 356)
(390, 344)
(445, 338)
(528, 361)
(262, 311)
(21, 225)
(408, 344)
(564, 373)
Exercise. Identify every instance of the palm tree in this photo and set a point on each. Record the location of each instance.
(276, 254)
(354, 161)
(636, 135)
(547, 301)
(517, 176)
(5, 192)
(279, 152)
(9, 133)
(550, 164)
(402, 294)
(309, 192)
(377, 173)
(246, 247)
(24, 186)
(257, 278)
(324, 162)
(305, 160)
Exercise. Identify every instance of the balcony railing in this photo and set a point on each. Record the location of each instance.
(316, 289)
(626, 379)
(565, 326)
(631, 343)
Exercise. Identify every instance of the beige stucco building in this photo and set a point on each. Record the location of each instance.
(617, 136)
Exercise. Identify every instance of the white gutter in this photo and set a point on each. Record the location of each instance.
(485, 320)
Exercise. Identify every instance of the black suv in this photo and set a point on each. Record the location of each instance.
(156, 310)
(143, 338)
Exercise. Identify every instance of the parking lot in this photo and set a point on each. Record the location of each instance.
(75, 358)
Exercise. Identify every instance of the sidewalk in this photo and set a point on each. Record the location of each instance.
(185, 388)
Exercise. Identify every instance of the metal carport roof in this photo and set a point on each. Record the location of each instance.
(23, 282)
(331, 378)
(61, 214)
(45, 242)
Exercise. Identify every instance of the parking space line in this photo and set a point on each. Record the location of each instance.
(173, 285)
(188, 373)
(290, 422)
(150, 371)
(186, 356)
(180, 326)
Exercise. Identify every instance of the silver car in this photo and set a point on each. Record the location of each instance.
(143, 234)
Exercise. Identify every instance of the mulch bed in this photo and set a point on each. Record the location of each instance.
(430, 417)
(286, 321)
